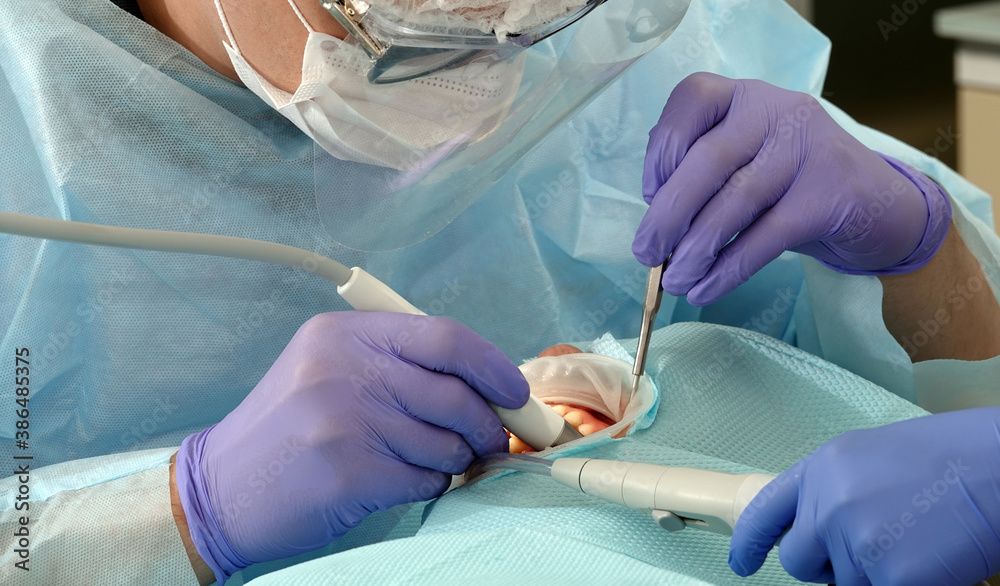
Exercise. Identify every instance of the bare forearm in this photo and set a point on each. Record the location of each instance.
(201, 569)
(946, 310)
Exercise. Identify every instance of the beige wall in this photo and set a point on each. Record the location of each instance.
(979, 141)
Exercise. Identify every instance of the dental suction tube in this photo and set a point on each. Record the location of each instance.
(536, 424)
(503, 461)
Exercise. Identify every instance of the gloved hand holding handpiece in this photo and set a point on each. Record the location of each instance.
(914, 502)
(739, 171)
(360, 412)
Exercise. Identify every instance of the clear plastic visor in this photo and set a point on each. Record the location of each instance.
(441, 141)
(403, 47)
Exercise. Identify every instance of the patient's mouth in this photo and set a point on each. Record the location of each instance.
(586, 421)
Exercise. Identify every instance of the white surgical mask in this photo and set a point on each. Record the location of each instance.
(400, 126)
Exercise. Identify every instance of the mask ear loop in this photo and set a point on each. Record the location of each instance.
(229, 31)
(225, 26)
(272, 95)
(298, 13)
(310, 75)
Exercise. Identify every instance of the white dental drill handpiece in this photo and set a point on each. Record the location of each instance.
(678, 497)
(535, 424)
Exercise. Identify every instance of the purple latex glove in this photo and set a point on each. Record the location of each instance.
(739, 171)
(360, 412)
(915, 502)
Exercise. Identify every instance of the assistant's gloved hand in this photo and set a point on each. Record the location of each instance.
(360, 412)
(915, 502)
(771, 168)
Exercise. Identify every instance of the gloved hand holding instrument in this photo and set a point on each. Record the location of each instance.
(739, 171)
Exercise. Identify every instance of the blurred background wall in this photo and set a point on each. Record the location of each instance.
(892, 71)
(898, 79)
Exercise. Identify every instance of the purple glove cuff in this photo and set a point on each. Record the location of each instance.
(206, 534)
(938, 221)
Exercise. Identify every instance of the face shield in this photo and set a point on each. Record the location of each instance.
(427, 107)
(407, 39)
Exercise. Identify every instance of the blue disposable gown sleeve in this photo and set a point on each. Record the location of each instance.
(841, 319)
(104, 520)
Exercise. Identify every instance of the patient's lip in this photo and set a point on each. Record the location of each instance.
(559, 350)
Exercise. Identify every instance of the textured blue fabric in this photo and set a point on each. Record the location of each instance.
(84, 514)
(762, 406)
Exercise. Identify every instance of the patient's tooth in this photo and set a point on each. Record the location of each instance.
(586, 429)
(517, 446)
(560, 409)
(574, 418)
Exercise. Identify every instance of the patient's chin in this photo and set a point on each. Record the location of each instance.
(584, 420)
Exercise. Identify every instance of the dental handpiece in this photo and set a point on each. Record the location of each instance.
(677, 497)
(536, 424)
